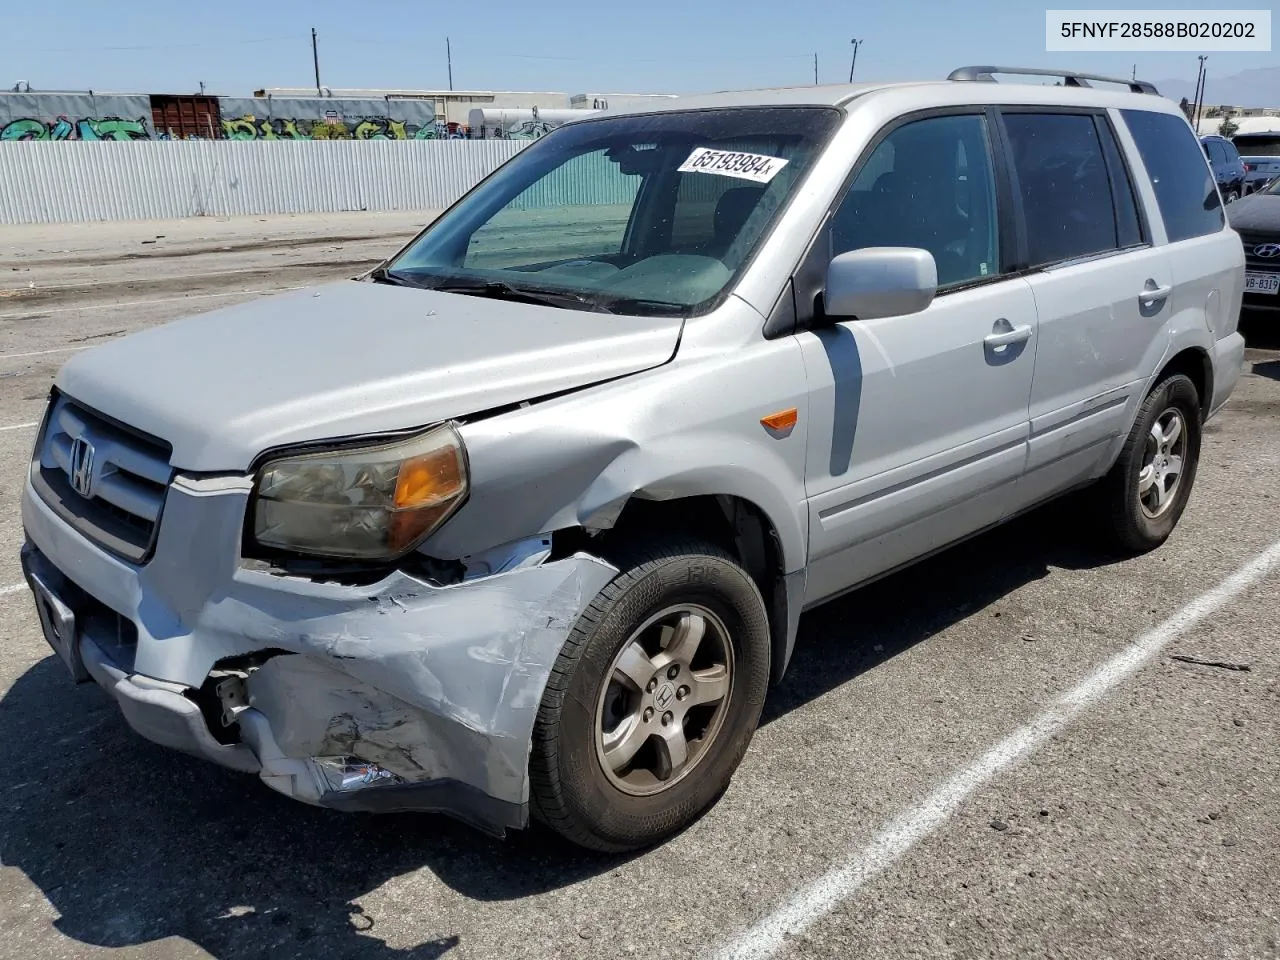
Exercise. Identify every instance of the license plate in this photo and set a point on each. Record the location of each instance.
(1262, 283)
(58, 622)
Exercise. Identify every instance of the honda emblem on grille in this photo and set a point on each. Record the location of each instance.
(81, 469)
(1267, 250)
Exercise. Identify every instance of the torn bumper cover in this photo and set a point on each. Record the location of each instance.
(397, 696)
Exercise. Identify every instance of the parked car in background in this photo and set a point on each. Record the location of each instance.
(521, 523)
(1257, 219)
(1261, 155)
(1228, 168)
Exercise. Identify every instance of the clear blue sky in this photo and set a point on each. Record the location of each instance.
(676, 46)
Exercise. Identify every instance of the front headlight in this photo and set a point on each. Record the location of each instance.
(372, 503)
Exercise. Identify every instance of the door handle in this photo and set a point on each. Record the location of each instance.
(1155, 293)
(1006, 337)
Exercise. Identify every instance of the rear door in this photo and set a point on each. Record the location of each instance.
(1204, 254)
(1102, 291)
(918, 423)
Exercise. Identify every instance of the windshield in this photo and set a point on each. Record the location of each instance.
(1258, 144)
(649, 214)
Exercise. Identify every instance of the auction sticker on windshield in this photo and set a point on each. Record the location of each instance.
(733, 163)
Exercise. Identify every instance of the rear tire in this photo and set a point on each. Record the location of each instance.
(1147, 489)
(653, 699)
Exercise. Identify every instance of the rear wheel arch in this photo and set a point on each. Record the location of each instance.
(1196, 365)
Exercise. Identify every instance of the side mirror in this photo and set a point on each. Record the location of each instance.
(880, 282)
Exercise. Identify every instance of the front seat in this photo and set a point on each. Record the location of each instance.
(732, 210)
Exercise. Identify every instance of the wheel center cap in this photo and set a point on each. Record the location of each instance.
(664, 695)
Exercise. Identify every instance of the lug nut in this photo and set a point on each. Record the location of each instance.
(682, 693)
(653, 685)
(666, 719)
(648, 714)
(673, 671)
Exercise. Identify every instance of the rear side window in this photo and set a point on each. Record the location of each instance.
(1065, 187)
(1184, 186)
(1258, 144)
(1230, 151)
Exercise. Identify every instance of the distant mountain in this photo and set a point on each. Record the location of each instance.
(1250, 88)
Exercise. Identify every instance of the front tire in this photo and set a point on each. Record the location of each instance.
(1148, 487)
(653, 700)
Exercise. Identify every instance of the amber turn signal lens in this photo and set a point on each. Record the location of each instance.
(782, 420)
(429, 479)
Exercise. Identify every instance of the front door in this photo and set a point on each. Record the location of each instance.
(918, 424)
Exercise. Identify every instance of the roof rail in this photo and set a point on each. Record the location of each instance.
(1069, 78)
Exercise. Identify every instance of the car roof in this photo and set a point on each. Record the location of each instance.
(927, 91)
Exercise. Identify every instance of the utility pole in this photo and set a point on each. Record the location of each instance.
(448, 55)
(1200, 85)
(315, 58)
(815, 69)
(1195, 96)
(1135, 72)
(854, 62)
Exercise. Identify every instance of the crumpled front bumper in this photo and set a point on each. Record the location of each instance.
(437, 685)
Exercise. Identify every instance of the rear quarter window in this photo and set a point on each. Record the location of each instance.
(1184, 187)
(1258, 144)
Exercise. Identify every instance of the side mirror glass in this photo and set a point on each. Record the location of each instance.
(879, 282)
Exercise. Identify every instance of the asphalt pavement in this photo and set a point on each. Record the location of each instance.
(1023, 747)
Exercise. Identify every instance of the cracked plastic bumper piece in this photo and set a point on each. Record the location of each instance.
(397, 696)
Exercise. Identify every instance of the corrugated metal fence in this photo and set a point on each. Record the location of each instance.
(76, 181)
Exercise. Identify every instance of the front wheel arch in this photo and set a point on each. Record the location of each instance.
(739, 526)
(570, 790)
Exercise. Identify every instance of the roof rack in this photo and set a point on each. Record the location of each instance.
(1069, 78)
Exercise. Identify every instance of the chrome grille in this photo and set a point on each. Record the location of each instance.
(1255, 262)
(106, 481)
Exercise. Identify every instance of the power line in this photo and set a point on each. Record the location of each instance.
(170, 46)
(504, 55)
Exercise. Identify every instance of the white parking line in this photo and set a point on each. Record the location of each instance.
(896, 839)
(12, 588)
(39, 353)
(20, 426)
(139, 303)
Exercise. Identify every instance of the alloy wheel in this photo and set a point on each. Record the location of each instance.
(664, 699)
(1162, 463)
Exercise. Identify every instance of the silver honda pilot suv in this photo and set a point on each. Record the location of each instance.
(523, 521)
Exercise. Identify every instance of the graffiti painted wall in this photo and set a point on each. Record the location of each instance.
(74, 116)
(279, 118)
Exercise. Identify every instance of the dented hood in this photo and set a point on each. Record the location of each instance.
(346, 359)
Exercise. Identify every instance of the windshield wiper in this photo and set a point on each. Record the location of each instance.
(501, 290)
(625, 304)
(383, 275)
